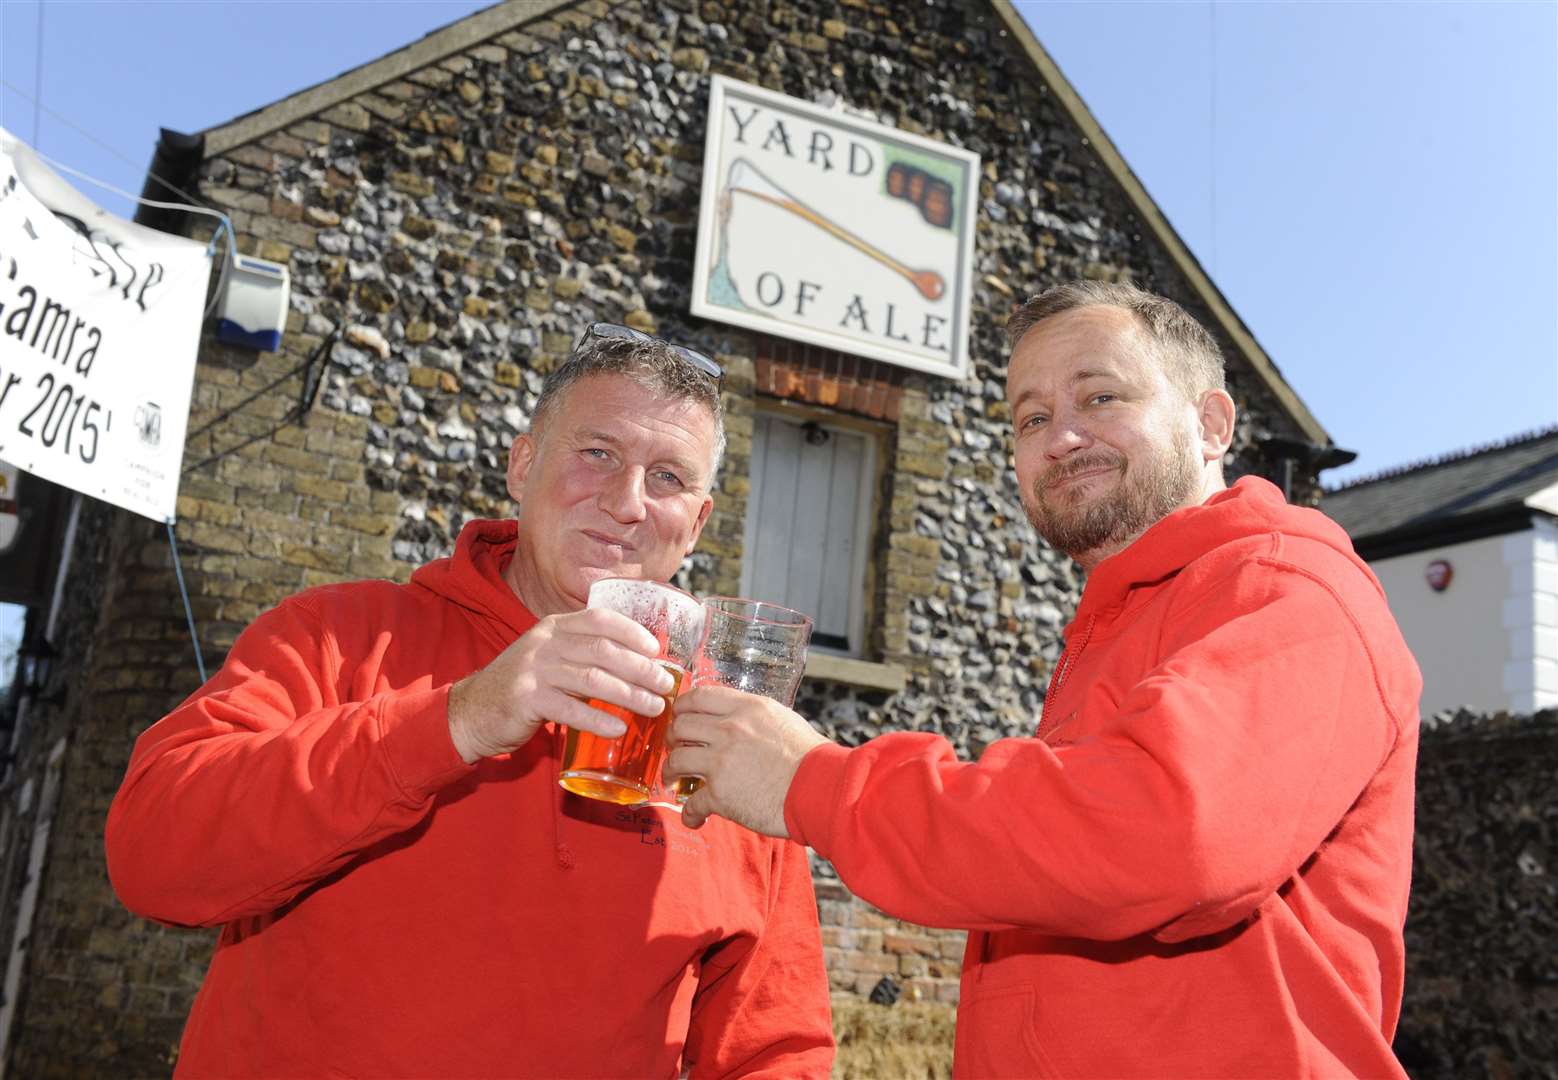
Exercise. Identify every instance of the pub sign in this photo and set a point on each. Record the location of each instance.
(824, 227)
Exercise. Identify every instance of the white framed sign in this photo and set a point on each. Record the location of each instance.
(99, 327)
(834, 230)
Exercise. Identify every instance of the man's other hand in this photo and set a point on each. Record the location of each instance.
(746, 748)
(549, 674)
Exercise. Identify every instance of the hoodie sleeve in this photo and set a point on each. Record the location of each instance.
(1186, 804)
(762, 1008)
(263, 781)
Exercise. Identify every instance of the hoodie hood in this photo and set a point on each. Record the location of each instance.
(1252, 507)
(472, 578)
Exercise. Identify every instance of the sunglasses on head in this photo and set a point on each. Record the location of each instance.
(627, 333)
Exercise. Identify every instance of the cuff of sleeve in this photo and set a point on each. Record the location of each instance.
(414, 732)
(810, 805)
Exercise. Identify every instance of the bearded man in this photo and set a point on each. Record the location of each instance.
(1198, 864)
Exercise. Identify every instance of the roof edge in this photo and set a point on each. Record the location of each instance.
(1153, 216)
(429, 49)
(511, 14)
(1545, 500)
(1450, 457)
(1412, 537)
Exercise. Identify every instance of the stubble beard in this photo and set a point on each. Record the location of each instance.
(1142, 496)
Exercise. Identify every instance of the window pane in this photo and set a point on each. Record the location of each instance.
(773, 495)
(802, 548)
(837, 599)
(809, 529)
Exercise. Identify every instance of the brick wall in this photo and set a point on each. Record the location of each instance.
(872, 955)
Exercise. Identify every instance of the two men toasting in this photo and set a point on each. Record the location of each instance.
(1196, 865)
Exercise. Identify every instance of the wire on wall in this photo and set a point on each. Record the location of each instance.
(308, 368)
(189, 611)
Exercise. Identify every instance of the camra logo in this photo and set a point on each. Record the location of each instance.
(148, 423)
(833, 230)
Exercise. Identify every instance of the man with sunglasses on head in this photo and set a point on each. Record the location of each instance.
(365, 797)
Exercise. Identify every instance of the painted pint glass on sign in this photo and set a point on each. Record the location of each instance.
(625, 770)
(752, 646)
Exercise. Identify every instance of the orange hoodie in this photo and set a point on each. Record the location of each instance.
(389, 911)
(1199, 865)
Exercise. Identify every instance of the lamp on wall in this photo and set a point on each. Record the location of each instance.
(1284, 456)
(36, 665)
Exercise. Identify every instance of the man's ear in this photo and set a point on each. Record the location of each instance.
(697, 529)
(522, 455)
(1215, 416)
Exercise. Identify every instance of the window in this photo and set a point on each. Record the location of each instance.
(808, 523)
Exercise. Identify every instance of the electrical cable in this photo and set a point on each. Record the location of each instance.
(225, 413)
(189, 611)
(225, 224)
(1212, 126)
(305, 403)
(192, 206)
(37, 76)
(292, 415)
(106, 146)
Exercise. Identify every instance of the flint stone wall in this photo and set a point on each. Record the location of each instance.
(457, 226)
(461, 225)
(1482, 931)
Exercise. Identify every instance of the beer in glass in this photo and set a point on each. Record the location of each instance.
(626, 770)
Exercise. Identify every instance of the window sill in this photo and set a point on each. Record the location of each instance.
(861, 673)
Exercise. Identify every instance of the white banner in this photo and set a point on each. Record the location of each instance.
(824, 227)
(99, 326)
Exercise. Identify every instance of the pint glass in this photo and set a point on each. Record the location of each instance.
(624, 770)
(752, 646)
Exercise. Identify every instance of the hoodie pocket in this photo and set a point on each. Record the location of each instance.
(996, 1036)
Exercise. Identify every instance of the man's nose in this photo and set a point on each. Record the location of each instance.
(1066, 435)
(623, 496)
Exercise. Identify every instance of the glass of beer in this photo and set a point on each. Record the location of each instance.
(625, 770)
(749, 645)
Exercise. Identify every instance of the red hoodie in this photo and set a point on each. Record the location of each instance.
(1199, 866)
(389, 911)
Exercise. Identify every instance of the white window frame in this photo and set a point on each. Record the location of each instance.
(863, 520)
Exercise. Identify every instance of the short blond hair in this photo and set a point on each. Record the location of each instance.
(1190, 355)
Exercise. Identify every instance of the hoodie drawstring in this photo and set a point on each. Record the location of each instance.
(1051, 716)
(564, 853)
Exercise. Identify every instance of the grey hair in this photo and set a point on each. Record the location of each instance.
(651, 364)
(1190, 355)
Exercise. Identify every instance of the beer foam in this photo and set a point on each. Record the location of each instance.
(672, 616)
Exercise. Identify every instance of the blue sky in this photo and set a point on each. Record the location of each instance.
(1374, 186)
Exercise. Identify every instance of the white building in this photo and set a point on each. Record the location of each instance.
(1467, 549)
